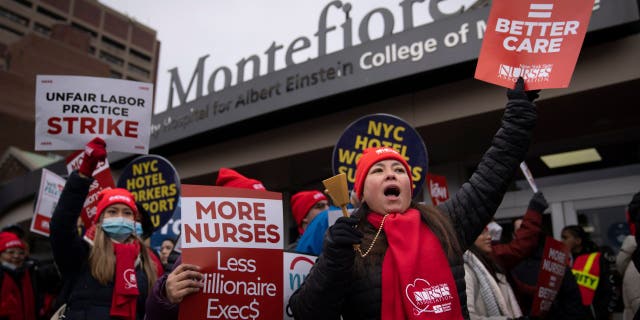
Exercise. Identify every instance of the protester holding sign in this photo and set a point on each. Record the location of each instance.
(411, 252)
(111, 277)
(566, 305)
(185, 279)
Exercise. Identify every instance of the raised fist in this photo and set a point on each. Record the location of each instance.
(94, 152)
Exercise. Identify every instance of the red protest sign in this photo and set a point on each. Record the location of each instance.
(555, 260)
(235, 236)
(103, 180)
(437, 188)
(539, 41)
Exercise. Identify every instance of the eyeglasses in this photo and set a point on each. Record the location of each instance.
(320, 206)
(14, 252)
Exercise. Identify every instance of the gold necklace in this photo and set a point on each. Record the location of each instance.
(374, 238)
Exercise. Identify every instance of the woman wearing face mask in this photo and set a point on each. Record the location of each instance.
(17, 292)
(108, 278)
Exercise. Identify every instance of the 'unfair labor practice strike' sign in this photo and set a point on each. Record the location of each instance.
(71, 110)
(380, 130)
(537, 41)
(235, 236)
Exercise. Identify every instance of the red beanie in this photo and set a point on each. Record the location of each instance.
(10, 240)
(371, 156)
(302, 202)
(108, 197)
(231, 178)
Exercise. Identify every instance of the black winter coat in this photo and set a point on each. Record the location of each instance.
(329, 292)
(86, 298)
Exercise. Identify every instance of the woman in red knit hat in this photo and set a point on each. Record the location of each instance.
(409, 263)
(17, 296)
(110, 276)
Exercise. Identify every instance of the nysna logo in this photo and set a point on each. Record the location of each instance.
(258, 186)
(119, 198)
(428, 298)
(302, 265)
(536, 73)
(130, 280)
(386, 150)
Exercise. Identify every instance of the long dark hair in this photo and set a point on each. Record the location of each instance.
(487, 262)
(437, 222)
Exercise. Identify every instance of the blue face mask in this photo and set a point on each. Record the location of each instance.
(118, 228)
(139, 230)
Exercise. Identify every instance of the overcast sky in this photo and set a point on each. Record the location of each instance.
(229, 30)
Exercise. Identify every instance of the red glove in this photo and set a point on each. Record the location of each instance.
(94, 152)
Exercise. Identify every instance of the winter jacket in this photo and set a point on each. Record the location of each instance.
(327, 294)
(631, 278)
(602, 304)
(86, 298)
(498, 302)
(17, 303)
(158, 306)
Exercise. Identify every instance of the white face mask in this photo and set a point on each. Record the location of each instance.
(495, 230)
(9, 266)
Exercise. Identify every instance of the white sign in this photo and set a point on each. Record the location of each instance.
(296, 269)
(51, 186)
(529, 176)
(71, 110)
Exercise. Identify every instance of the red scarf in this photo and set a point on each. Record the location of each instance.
(125, 289)
(13, 304)
(417, 282)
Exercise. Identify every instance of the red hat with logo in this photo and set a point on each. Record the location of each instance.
(371, 156)
(108, 197)
(302, 202)
(10, 240)
(231, 178)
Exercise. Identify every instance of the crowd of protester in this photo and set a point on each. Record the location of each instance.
(364, 260)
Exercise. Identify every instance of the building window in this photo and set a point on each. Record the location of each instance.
(139, 55)
(24, 3)
(14, 31)
(42, 29)
(112, 44)
(84, 29)
(116, 75)
(111, 58)
(14, 17)
(51, 15)
(141, 71)
(92, 50)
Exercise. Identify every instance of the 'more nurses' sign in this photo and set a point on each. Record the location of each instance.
(235, 236)
(538, 40)
(71, 110)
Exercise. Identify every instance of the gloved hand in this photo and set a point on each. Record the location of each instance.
(339, 241)
(538, 202)
(94, 152)
(518, 93)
